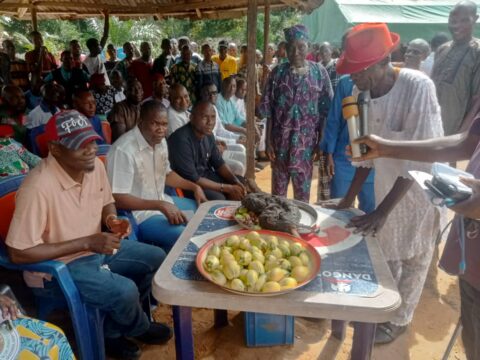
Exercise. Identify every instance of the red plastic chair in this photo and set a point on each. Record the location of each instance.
(42, 144)
(107, 132)
(7, 131)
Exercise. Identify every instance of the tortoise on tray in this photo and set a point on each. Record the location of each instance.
(270, 212)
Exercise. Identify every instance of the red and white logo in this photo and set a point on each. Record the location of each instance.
(225, 212)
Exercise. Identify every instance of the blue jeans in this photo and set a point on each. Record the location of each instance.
(117, 290)
(366, 197)
(158, 231)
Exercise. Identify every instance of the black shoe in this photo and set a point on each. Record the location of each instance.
(259, 166)
(387, 332)
(157, 334)
(122, 348)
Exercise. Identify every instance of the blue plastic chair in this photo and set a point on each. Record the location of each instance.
(87, 321)
(32, 139)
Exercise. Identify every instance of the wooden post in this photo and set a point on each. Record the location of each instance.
(251, 72)
(33, 13)
(266, 33)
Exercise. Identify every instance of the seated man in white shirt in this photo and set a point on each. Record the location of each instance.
(138, 169)
(53, 96)
(230, 144)
(178, 114)
(161, 90)
(118, 84)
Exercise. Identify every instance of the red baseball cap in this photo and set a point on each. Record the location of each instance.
(366, 45)
(71, 129)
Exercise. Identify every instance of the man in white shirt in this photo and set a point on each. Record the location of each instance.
(178, 114)
(138, 169)
(403, 106)
(93, 62)
(117, 83)
(53, 96)
(160, 90)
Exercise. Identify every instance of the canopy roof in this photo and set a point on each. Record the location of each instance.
(410, 18)
(193, 9)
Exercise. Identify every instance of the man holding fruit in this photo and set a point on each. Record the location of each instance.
(60, 210)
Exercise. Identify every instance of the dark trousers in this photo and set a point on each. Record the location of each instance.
(470, 309)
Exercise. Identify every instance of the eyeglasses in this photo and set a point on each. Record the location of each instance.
(211, 93)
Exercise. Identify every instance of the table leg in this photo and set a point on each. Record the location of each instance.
(339, 329)
(221, 318)
(182, 321)
(363, 338)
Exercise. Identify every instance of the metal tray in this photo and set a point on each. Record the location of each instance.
(308, 218)
(315, 260)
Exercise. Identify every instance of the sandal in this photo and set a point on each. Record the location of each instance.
(387, 332)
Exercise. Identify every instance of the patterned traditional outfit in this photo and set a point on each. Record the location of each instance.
(184, 74)
(296, 101)
(40, 340)
(456, 74)
(14, 158)
(104, 101)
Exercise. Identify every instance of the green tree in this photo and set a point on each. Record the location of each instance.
(58, 33)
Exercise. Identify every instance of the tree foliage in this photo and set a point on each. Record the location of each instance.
(57, 33)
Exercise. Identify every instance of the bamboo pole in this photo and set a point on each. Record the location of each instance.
(266, 33)
(251, 47)
(33, 13)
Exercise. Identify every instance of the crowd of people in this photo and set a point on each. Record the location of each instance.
(177, 124)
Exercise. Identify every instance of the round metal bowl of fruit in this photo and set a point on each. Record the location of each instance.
(258, 263)
(271, 212)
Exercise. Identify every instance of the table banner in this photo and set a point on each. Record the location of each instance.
(346, 264)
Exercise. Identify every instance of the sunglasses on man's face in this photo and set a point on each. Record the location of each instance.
(212, 93)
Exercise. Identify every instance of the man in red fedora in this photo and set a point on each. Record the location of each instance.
(403, 106)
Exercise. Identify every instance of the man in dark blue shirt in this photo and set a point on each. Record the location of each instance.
(194, 156)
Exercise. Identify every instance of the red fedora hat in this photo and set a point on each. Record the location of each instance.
(366, 45)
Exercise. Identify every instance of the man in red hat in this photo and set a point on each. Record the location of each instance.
(403, 106)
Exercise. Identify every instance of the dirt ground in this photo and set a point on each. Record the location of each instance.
(426, 339)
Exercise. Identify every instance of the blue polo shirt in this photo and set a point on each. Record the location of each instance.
(335, 136)
(228, 111)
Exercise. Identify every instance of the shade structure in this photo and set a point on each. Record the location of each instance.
(192, 9)
(409, 18)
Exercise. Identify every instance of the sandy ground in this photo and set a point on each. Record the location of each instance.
(426, 339)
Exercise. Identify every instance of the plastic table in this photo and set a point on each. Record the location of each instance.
(343, 291)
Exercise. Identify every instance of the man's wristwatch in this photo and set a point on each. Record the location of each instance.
(221, 187)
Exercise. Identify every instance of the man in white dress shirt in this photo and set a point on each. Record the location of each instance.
(138, 169)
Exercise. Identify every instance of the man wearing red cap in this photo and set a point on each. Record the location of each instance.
(403, 106)
(295, 102)
(59, 213)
